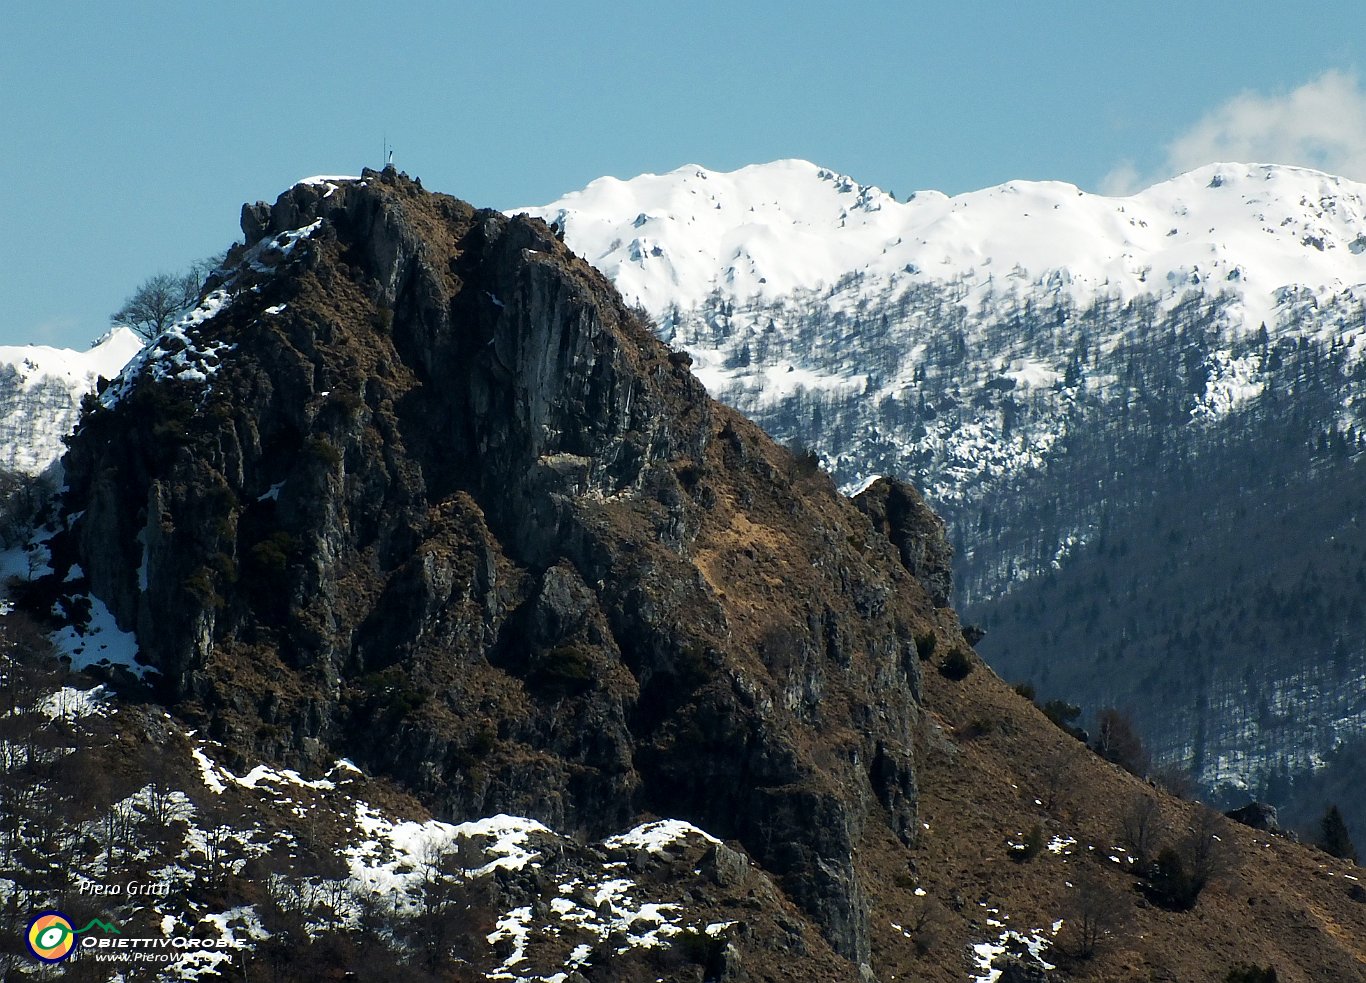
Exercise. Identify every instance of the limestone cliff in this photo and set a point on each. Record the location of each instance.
(413, 485)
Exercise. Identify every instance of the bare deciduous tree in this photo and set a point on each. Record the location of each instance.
(21, 496)
(1211, 855)
(1142, 827)
(1183, 871)
(157, 302)
(927, 927)
(160, 299)
(1176, 779)
(1094, 910)
(1117, 740)
(1057, 776)
(218, 842)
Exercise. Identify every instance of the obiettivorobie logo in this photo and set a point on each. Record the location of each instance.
(51, 938)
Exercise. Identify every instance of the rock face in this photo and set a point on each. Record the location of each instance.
(899, 512)
(414, 486)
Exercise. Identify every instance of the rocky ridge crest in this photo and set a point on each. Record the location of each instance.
(414, 486)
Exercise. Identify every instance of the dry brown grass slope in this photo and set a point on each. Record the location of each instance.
(991, 768)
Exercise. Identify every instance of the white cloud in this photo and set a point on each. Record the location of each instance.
(1123, 179)
(1321, 124)
(56, 331)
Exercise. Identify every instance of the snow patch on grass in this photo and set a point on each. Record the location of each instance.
(397, 858)
(654, 837)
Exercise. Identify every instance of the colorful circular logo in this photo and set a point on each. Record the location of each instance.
(51, 937)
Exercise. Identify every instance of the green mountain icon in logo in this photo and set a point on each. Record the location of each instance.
(108, 928)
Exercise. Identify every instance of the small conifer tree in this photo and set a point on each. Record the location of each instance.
(1333, 837)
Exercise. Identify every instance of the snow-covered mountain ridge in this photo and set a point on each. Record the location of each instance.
(40, 394)
(794, 287)
(768, 230)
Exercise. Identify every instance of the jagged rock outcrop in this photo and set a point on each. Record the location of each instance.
(899, 512)
(1257, 815)
(413, 485)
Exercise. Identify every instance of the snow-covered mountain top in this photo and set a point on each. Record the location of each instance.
(769, 229)
(78, 370)
(40, 395)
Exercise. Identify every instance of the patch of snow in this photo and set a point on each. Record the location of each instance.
(99, 642)
(326, 179)
(75, 369)
(216, 776)
(178, 353)
(41, 389)
(70, 704)
(286, 242)
(1231, 383)
(183, 352)
(612, 891)
(242, 919)
(654, 837)
(263, 773)
(515, 927)
(210, 772)
(1030, 373)
(790, 225)
(395, 855)
(27, 561)
(984, 954)
(860, 486)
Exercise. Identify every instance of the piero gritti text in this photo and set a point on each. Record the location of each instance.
(131, 889)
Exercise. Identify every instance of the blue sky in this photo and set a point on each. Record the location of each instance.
(132, 132)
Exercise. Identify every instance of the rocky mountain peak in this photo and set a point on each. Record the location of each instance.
(413, 485)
